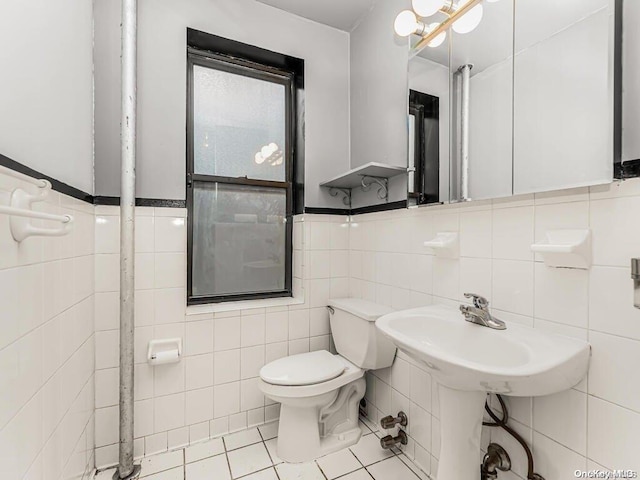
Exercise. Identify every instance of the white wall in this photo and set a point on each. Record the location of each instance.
(46, 87)
(47, 347)
(162, 88)
(593, 425)
(379, 95)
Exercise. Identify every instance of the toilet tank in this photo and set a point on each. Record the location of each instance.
(353, 325)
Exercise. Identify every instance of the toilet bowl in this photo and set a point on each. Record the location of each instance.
(320, 392)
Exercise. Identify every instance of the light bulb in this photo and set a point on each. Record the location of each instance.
(259, 159)
(406, 23)
(469, 20)
(426, 8)
(439, 39)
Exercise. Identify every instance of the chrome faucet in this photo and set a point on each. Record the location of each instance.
(480, 314)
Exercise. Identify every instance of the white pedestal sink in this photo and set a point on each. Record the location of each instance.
(469, 360)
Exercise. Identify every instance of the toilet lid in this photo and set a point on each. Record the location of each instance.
(303, 369)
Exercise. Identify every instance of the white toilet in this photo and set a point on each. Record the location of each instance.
(320, 392)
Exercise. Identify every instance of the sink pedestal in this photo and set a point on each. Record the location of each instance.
(461, 414)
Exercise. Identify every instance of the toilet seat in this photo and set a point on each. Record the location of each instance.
(349, 374)
(303, 369)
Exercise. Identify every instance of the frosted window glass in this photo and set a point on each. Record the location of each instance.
(238, 239)
(239, 125)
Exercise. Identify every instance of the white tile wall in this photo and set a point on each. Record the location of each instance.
(213, 390)
(47, 346)
(597, 422)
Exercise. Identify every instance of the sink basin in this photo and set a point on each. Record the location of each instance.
(469, 360)
(518, 361)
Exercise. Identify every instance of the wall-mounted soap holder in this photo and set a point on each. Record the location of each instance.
(168, 350)
(445, 244)
(566, 248)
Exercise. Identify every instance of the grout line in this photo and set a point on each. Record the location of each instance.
(184, 463)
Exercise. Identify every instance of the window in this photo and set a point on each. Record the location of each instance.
(241, 129)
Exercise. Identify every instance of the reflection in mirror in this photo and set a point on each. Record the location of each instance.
(481, 75)
(429, 94)
(424, 147)
(563, 98)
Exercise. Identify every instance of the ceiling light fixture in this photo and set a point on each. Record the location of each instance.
(426, 8)
(407, 23)
(463, 17)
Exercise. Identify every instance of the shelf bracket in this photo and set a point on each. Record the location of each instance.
(383, 186)
(346, 192)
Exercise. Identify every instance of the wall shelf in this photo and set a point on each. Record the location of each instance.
(365, 176)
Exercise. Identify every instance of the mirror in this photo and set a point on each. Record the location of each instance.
(482, 132)
(563, 94)
(517, 99)
(429, 122)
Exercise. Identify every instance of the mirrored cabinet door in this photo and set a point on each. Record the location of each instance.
(429, 124)
(482, 93)
(563, 94)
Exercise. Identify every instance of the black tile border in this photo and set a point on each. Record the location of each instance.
(382, 207)
(57, 185)
(141, 202)
(626, 169)
(327, 211)
(70, 191)
(78, 194)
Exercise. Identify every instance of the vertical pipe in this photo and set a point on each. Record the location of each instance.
(465, 71)
(126, 468)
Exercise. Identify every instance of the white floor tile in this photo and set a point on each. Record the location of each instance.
(242, 439)
(391, 469)
(269, 474)
(272, 447)
(269, 430)
(299, 471)
(173, 474)
(161, 462)
(338, 464)
(203, 450)
(361, 474)
(212, 467)
(368, 450)
(246, 460)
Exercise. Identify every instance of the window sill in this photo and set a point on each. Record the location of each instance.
(244, 305)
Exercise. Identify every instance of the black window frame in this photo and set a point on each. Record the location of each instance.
(202, 54)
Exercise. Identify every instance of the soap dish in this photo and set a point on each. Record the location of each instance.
(566, 248)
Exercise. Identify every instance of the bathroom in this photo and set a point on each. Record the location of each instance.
(214, 213)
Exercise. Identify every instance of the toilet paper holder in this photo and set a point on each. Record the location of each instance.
(163, 351)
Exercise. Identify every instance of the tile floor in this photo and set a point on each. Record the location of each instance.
(251, 455)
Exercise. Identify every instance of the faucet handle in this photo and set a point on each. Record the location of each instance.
(478, 300)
